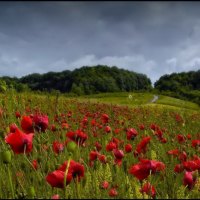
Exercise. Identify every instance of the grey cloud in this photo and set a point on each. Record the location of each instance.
(146, 37)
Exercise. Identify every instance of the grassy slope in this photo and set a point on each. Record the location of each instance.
(143, 99)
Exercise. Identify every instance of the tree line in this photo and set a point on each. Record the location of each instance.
(184, 85)
(101, 78)
(85, 80)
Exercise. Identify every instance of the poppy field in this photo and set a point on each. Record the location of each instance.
(56, 147)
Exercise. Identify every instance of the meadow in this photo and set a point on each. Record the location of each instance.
(98, 146)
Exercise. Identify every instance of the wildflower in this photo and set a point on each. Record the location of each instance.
(56, 178)
(20, 141)
(195, 143)
(113, 192)
(55, 196)
(148, 189)
(104, 118)
(110, 146)
(189, 180)
(93, 155)
(58, 147)
(142, 146)
(119, 154)
(143, 168)
(35, 164)
(131, 134)
(104, 185)
(107, 129)
(27, 124)
(40, 122)
(78, 136)
(75, 168)
(128, 148)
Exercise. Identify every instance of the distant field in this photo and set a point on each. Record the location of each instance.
(136, 99)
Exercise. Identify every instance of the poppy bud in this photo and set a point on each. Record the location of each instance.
(71, 146)
(6, 157)
(31, 192)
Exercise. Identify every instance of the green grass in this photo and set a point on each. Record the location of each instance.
(170, 101)
(139, 99)
(123, 98)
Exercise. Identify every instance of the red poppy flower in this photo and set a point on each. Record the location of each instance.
(148, 189)
(153, 127)
(13, 128)
(98, 146)
(20, 141)
(17, 114)
(93, 122)
(102, 158)
(178, 168)
(53, 127)
(180, 138)
(183, 156)
(35, 164)
(58, 147)
(191, 165)
(113, 192)
(110, 146)
(93, 155)
(143, 168)
(141, 127)
(178, 118)
(142, 146)
(128, 148)
(27, 124)
(69, 114)
(84, 121)
(56, 178)
(104, 185)
(41, 122)
(117, 130)
(107, 129)
(189, 180)
(159, 133)
(131, 134)
(55, 196)
(189, 137)
(116, 141)
(195, 143)
(75, 168)
(78, 136)
(163, 140)
(119, 154)
(104, 118)
(174, 152)
(65, 125)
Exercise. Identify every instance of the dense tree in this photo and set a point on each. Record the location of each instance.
(185, 85)
(88, 80)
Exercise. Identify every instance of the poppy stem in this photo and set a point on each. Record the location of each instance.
(77, 189)
(65, 177)
(10, 180)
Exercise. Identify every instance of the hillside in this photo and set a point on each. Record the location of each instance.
(184, 85)
(134, 99)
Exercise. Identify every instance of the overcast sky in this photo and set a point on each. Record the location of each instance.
(153, 38)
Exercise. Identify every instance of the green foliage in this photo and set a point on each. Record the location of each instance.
(3, 86)
(86, 80)
(185, 85)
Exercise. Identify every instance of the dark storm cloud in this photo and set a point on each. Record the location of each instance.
(147, 37)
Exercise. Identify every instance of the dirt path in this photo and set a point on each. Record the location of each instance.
(155, 98)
